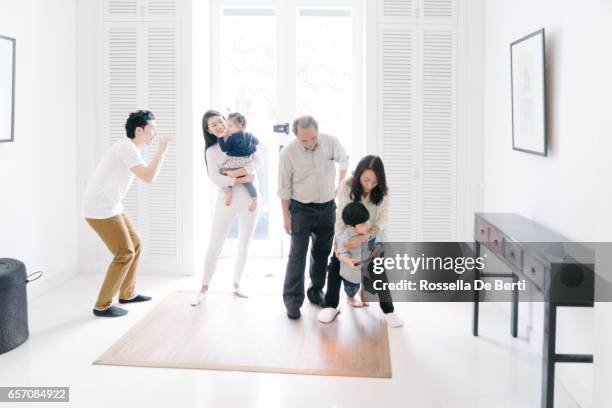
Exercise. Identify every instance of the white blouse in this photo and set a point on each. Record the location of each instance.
(215, 158)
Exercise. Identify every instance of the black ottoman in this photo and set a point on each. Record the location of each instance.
(13, 304)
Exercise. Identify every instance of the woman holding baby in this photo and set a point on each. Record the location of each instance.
(235, 177)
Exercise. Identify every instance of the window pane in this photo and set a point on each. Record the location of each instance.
(248, 64)
(324, 86)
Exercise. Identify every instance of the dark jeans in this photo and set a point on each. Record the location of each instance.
(308, 221)
(332, 295)
(351, 289)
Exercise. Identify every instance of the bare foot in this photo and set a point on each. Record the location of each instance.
(362, 297)
(253, 205)
(228, 196)
(354, 302)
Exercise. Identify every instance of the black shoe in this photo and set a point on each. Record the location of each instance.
(316, 298)
(112, 311)
(138, 298)
(317, 301)
(293, 313)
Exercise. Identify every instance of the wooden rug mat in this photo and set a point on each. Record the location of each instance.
(230, 333)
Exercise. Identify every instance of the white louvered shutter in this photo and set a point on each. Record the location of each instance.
(417, 12)
(417, 116)
(160, 8)
(438, 12)
(134, 10)
(140, 71)
(438, 128)
(121, 9)
(160, 76)
(121, 93)
(396, 11)
(397, 118)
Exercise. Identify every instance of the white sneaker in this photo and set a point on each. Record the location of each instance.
(327, 315)
(197, 299)
(394, 320)
(238, 292)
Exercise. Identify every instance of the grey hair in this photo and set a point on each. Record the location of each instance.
(305, 122)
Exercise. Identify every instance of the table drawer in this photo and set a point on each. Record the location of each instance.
(496, 239)
(534, 270)
(513, 254)
(482, 230)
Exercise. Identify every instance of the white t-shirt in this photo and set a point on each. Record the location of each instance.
(111, 180)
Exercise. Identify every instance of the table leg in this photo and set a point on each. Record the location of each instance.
(476, 293)
(515, 310)
(548, 355)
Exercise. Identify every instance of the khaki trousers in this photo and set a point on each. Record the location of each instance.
(121, 238)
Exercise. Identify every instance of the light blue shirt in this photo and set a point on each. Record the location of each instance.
(348, 273)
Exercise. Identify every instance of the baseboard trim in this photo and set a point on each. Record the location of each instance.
(145, 269)
(48, 282)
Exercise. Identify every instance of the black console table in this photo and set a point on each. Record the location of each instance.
(563, 278)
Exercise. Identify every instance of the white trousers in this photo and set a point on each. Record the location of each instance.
(222, 220)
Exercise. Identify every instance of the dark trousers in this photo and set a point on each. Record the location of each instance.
(334, 280)
(308, 221)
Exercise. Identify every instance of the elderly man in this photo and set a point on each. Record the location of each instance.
(307, 188)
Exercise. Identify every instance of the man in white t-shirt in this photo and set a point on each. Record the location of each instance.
(103, 209)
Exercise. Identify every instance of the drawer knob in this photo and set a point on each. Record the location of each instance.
(482, 230)
(532, 270)
(512, 254)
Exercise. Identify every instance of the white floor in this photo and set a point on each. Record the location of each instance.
(436, 362)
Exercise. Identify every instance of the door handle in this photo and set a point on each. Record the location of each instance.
(281, 128)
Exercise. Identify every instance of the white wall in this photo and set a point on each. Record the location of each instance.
(570, 190)
(87, 95)
(470, 113)
(38, 203)
(603, 334)
(200, 102)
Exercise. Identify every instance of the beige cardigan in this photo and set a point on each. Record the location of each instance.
(379, 214)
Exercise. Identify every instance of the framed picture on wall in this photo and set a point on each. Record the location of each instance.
(529, 94)
(7, 89)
